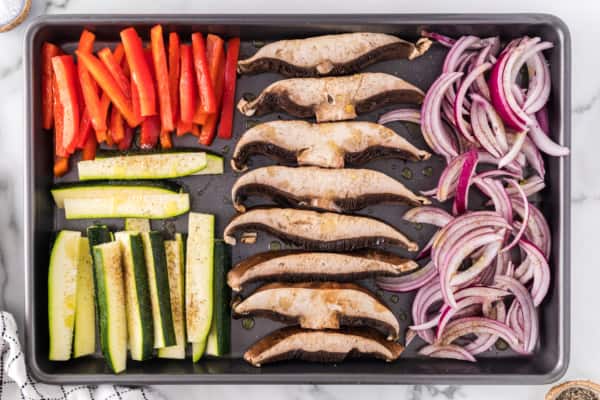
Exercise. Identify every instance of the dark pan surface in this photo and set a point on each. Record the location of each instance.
(212, 194)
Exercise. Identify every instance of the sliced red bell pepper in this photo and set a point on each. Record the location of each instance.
(118, 55)
(195, 130)
(114, 67)
(125, 144)
(216, 56)
(174, 62)
(110, 86)
(200, 116)
(161, 70)
(206, 92)
(184, 127)
(187, 85)
(226, 123)
(89, 88)
(165, 139)
(66, 83)
(89, 148)
(140, 71)
(150, 132)
(85, 129)
(59, 150)
(49, 50)
(61, 166)
(117, 127)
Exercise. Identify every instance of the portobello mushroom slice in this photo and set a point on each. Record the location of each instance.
(321, 346)
(329, 145)
(292, 265)
(333, 98)
(322, 231)
(322, 189)
(340, 54)
(319, 305)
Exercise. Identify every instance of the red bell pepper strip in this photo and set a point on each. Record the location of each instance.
(59, 150)
(216, 56)
(165, 139)
(89, 148)
(125, 144)
(49, 50)
(140, 71)
(118, 55)
(226, 123)
(174, 62)
(89, 88)
(187, 85)
(114, 67)
(184, 127)
(117, 127)
(161, 70)
(206, 92)
(200, 116)
(61, 166)
(150, 132)
(85, 129)
(66, 83)
(110, 86)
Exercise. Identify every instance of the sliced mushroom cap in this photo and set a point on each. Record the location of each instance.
(291, 265)
(321, 346)
(322, 189)
(330, 54)
(329, 145)
(334, 98)
(314, 230)
(319, 305)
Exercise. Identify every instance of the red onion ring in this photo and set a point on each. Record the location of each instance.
(428, 215)
(533, 156)
(525, 217)
(541, 271)
(482, 132)
(489, 253)
(479, 325)
(464, 181)
(544, 143)
(485, 341)
(538, 231)
(425, 298)
(519, 139)
(460, 99)
(447, 351)
(409, 282)
(401, 114)
(532, 185)
(498, 195)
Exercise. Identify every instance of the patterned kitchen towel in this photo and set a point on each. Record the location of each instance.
(16, 383)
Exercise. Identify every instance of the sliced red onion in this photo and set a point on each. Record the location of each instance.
(482, 132)
(464, 181)
(498, 195)
(532, 185)
(428, 215)
(533, 156)
(480, 85)
(460, 99)
(426, 250)
(515, 149)
(453, 57)
(441, 39)
(485, 341)
(495, 173)
(542, 118)
(495, 121)
(541, 271)
(525, 272)
(409, 282)
(447, 351)
(538, 231)
(525, 217)
(509, 76)
(466, 298)
(463, 247)
(479, 325)
(498, 91)
(401, 114)
(512, 320)
(489, 253)
(426, 296)
(434, 132)
(531, 327)
(513, 167)
(449, 178)
(539, 78)
(544, 143)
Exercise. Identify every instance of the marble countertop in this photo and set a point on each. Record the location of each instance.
(582, 18)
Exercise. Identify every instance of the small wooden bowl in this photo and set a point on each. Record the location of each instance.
(26, 6)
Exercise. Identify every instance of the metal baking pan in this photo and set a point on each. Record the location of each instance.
(211, 194)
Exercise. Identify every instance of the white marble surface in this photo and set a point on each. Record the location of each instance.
(582, 18)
